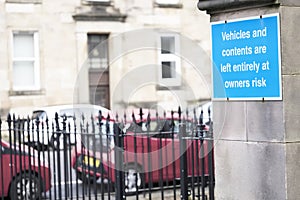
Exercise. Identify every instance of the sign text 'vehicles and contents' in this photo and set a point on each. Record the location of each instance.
(246, 59)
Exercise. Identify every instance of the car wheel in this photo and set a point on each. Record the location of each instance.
(133, 178)
(25, 186)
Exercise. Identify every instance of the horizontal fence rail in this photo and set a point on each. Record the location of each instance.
(141, 155)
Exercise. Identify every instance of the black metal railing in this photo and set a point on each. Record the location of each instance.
(141, 154)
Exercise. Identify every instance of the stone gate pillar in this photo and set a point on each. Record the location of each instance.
(257, 154)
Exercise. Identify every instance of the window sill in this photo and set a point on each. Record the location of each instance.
(177, 5)
(26, 92)
(98, 3)
(24, 1)
(165, 87)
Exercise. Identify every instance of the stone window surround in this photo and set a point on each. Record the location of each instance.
(24, 1)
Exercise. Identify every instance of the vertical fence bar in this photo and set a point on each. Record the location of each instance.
(88, 160)
(173, 154)
(165, 134)
(17, 133)
(43, 149)
(135, 154)
(100, 125)
(193, 158)
(56, 135)
(211, 158)
(196, 130)
(94, 155)
(107, 130)
(160, 156)
(143, 184)
(54, 161)
(1, 164)
(76, 153)
(65, 155)
(48, 152)
(150, 184)
(9, 121)
(202, 161)
(119, 162)
(70, 159)
(183, 159)
(39, 153)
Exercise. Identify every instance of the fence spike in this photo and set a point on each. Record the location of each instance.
(209, 114)
(201, 117)
(117, 117)
(195, 115)
(141, 114)
(179, 113)
(47, 122)
(125, 120)
(133, 117)
(172, 120)
(9, 118)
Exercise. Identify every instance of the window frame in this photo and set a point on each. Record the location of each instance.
(169, 57)
(101, 66)
(35, 59)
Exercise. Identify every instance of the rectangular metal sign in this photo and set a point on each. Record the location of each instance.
(246, 59)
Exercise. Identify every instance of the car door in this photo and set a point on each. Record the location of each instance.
(5, 170)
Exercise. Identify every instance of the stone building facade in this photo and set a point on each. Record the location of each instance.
(104, 52)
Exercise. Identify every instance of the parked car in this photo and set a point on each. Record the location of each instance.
(78, 113)
(22, 175)
(157, 138)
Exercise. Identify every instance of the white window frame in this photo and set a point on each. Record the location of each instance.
(170, 57)
(35, 59)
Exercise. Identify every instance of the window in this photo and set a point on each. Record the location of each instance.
(99, 95)
(98, 51)
(169, 60)
(25, 61)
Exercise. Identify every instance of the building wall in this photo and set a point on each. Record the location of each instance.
(63, 51)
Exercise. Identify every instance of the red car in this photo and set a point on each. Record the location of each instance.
(149, 146)
(22, 175)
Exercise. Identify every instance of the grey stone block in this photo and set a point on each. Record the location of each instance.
(265, 121)
(229, 120)
(290, 29)
(291, 99)
(250, 171)
(293, 170)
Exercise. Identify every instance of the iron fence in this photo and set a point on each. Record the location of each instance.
(141, 155)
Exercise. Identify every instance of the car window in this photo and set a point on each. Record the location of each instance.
(101, 137)
(40, 114)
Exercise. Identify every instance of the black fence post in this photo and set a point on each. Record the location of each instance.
(211, 158)
(119, 173)
(183, 159)
(1, 164)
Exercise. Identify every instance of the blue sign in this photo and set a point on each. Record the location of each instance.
(246, 58)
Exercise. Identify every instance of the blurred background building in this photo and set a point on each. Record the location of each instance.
(113, 53)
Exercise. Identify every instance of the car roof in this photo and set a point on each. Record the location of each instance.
(71, 109)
